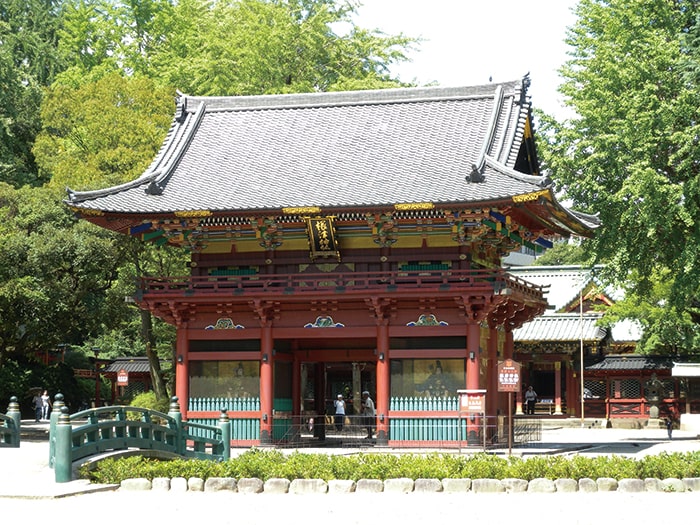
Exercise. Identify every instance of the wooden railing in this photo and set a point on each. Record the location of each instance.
(121, 428)
(497, 281)
(634, 408)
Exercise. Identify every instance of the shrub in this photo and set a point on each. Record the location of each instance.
(266, 464)
(148, 400)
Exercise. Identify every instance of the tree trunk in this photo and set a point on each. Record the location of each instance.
(159, 387)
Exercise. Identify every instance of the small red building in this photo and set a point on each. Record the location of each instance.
(127, 376)
(341, 243)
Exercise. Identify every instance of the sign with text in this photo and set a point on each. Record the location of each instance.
(472, 401)
(508, 376)
(322, 239)
(122, 378)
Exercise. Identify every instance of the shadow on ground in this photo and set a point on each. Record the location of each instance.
(35, 432)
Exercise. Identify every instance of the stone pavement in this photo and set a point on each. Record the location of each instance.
(25, 473)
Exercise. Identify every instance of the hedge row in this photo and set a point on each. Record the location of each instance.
(268, 464)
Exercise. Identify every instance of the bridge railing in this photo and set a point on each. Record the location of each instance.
(116, 428)
(10, 425)
(108, 428)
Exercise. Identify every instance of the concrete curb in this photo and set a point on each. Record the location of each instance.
(407, 485)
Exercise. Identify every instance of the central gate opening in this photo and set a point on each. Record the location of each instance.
(323, 385)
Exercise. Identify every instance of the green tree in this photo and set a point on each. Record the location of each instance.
(631, 152)
(243, 47)
(229, 47)
(29, 60)
(102, 133)
(54, 274)
(564, 254)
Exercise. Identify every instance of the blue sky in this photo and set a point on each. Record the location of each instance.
(468, 41)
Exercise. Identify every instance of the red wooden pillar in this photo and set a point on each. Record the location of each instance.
(383, 383)
(182, 371)
(508, 345)
(266, 387)
(473, 334)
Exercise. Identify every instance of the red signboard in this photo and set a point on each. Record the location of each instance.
(122, 378)
(508, 376)
(472, 401)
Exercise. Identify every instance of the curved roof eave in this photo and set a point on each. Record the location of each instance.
(181, 131)
(544, 183)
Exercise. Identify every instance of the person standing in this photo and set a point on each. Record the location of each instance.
(339, 413)
(36, 401)
(530, 400)
(45, 405)
(368, 413)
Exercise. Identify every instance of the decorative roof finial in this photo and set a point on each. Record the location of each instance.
(476, 175)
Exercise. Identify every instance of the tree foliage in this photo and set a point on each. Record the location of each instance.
(631, 152)
(54, 275)
(29, 60)
(230, 47)
(564, 254)
(102, 133)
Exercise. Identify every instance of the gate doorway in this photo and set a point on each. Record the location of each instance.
(321, 384)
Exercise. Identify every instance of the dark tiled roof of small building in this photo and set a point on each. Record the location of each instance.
(613, 363)
(560, 327)
(130, 364)
(335, 150)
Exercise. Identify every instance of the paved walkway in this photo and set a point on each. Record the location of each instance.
(25, 473)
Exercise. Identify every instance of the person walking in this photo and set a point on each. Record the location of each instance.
(37, 403)
(669, 427)
(368, 413)
(339, 413)
(45, 405)
(530, 400)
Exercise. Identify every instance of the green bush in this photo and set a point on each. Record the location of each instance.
(266, 464)
(148, 400)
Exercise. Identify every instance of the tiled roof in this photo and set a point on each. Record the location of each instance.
(562, 286)
(632, 362)
(130, 364)
(563, 283)
(560, 327)
(348, 149)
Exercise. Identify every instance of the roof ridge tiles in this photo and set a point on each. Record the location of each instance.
(342, 98)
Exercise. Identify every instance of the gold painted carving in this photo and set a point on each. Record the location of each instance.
(86, 211)
(412, 206)
(303, 210)
(192, 214)
(527, 197)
